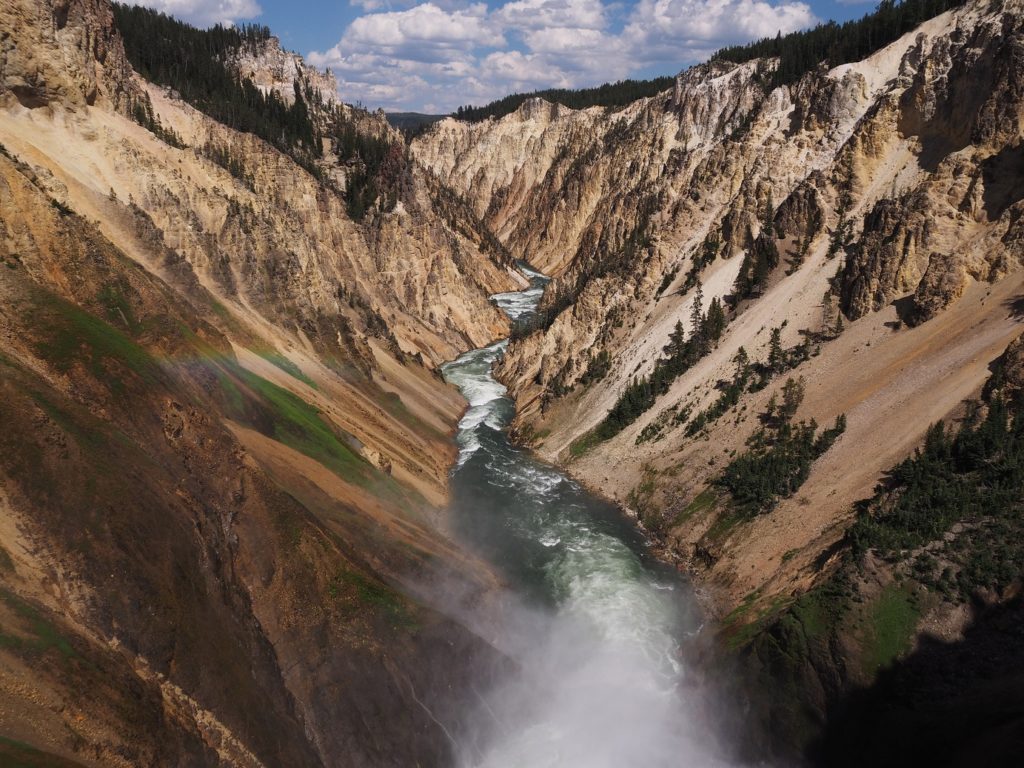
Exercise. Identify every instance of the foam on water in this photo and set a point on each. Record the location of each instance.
(599, 674)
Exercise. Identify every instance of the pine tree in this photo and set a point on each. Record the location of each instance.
(676, 342)
(742, 361)
(743, 286)
(762, 265)
(698, 333)
(776, 355)
(715, 323)
(792, 396)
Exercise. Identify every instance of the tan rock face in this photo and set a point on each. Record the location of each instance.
(226, 447)
(64, 50)
(271, 68)
(892, 192)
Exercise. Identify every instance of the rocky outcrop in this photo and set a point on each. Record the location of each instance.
(226, 447)
(272, 68)
(64, 51)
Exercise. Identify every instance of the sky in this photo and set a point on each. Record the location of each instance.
(433, 56)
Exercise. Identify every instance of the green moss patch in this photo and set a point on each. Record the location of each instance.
(70, 335)
(360, 592)
(35, 635)
(286, 365)
(704, 501)
(892, 620)
(582, 444)
(16, 754)
(290, 420)
(117, 307)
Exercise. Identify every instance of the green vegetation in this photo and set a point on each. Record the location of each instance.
(892, 620)
(119, 310)
(375, 166)
(759, 260)
(583, 443)
(652, 431)
(194, 62)
(286, 365)
(749, 618)
(704, 501)
(780, 456)
(679, 355)
(972, 478)
(802, 52)
(90, 437)
(72, 335)
(707, 253)
(375, 594)
(412, 124)
(640, 498)
(39, 635)
(141, 110)
(16, 754)
(460, 216)
(62, 208)
(562, 297)
(729, 398)
(613, 95)
(224, 156)
(292, 421)
(666, 281)
(597, 367)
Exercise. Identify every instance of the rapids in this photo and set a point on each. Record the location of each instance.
(598, 623)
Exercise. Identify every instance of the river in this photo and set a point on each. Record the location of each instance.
(599, 625)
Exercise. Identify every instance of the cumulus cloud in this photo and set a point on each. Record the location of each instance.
(437, 55)
(543, 14)
(422, 33)
(206, 13)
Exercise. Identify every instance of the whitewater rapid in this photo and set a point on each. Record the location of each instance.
(597, 624)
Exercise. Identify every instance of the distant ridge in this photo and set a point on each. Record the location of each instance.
(617, 94)
(801, 52)
(412, 122)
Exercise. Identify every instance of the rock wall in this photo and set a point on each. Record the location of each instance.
(226, 443)
(885, 185)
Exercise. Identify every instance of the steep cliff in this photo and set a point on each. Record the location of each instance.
(225, 448)
(860, 230)
(867, 182)
(272, 68)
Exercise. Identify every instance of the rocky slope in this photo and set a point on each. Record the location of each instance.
(272, 68)
(225, 447)
(869, 212)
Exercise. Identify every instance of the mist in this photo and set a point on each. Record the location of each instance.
(597, 682)
(594, 626)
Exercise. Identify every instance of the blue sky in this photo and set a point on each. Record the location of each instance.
(432, 56)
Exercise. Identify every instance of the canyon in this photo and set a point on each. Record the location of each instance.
(229, 531)
(888, 191)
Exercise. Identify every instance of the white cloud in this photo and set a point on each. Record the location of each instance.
(542, 14)
(422, 28)
(206, 13)
(715, 21)
(436, 55)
